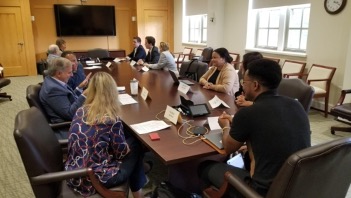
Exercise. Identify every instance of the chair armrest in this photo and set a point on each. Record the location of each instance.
(64, 145)
(316, 80)
(241, 186)
(60, 125)
(59, 176)
(342, 96)
(292, 74)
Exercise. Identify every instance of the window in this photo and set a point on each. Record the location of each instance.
(197, 29)
(281, 28)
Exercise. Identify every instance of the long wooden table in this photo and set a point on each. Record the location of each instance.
(162, 92)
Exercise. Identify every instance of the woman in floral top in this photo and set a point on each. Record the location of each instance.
(97, 140)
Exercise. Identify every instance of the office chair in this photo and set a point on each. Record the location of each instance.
(98, 53)
(3, 83)
(297, 89)
(42, 158)
(321, 171)
(320, 77)
(342, 110)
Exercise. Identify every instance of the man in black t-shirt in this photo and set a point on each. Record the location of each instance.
(274, 127)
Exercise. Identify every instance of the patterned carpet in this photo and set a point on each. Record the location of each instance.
(14, 181)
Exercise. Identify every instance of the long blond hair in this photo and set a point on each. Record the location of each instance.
(102, 99)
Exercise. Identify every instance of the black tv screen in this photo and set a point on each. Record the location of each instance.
(85, 20)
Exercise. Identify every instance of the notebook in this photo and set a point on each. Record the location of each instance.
(215, 137)
(176, 80)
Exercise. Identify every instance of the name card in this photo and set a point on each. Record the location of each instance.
(144, 93)
(145, 69)
(184, 88)
(132, 63)
(172, 115)
(108, 64)
(216, 102)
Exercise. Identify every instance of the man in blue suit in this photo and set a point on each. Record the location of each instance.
(153, 55)
(58, 99)
(138, 51)
(77, 69)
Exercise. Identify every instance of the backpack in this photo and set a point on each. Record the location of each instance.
(167, 190)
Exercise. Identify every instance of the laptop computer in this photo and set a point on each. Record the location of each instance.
(176, 80)
(215, 137)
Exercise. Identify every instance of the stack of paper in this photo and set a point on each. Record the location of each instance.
(125, 99)
(149, 126)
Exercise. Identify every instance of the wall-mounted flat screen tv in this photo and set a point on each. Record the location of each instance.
(85, 20)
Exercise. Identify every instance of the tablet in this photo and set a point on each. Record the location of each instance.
(199, 110)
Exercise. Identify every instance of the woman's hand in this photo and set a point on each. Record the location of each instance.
(208, 85)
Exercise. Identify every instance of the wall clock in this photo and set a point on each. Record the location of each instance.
(334, 6)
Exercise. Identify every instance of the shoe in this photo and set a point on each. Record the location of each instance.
(148, 166)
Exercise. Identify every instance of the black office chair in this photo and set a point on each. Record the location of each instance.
(297, 89)
(43, 160)
(98, 53)
(342, 110)
(193, 68)
(321, 171)
(4, 82)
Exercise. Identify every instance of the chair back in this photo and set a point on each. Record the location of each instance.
(236, 60)
(32, 96)
(293, 69)
(321, 171)
(297, 89)
(194, 66)
(185, 56)
(198, 52)
(207, 55)
(322, 73)
(98, 53)
(39, 149)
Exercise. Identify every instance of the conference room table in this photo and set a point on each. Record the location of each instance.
(162, 92)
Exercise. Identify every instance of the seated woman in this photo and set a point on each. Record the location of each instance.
(222, 76)
(98, 140)
(166, 60)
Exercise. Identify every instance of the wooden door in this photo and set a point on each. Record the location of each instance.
(12, 50)
(156, 25)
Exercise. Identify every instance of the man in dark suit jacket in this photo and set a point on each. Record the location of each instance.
(153, 55)
(138, 51)
(58, 99)
(77, 80)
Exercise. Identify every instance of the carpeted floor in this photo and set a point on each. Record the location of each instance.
(14, 181)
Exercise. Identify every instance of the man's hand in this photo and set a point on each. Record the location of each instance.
(224, 120)
(85, 82)
(140, 62)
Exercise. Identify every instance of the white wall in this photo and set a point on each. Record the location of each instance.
(329, 41)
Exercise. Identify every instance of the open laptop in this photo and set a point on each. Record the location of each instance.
(215, 137)
(176, 80)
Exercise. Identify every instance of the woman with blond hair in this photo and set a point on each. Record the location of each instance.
(166, 60)
(98, 140)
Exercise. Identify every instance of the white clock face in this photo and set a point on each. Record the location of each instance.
(333, 5)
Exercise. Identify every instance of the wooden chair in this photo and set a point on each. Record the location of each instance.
(180, 57)
(197, 54)
(4, 82)
(293, 69)
(342, 110)
(236, 60)
(320, 77)
(273, 59)
(321, 171)
(43, 160)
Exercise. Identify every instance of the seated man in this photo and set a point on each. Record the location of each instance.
(138, 51)
(53, 52)
(153, 54)
(58, 99)
(78, 72)
(274, 127)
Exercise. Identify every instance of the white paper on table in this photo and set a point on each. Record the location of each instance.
(121, 88)
(93, 67)
(108, 64)
(92, 64)
(149, 126)
(132, 63)
(213, 123)
(216, 102)
(145, 69)
(117, 60)
(89, 62)
(125, 99)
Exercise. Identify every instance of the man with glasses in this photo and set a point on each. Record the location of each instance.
(273, 128)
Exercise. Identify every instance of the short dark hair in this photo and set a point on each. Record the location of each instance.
(267, 72)
(60, 42)
(249, 57)
(151, 40)
(65, 53)
(223, 53)
(137, 38)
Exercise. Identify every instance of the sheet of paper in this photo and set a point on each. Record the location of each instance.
(213, 123)
(216, 102)
(184, 88)
(145, 69)
(132, 63)
(92, 64)
(117, 60)
(149, 126)
(93, 67)
(89, 62)
(108, 64)
(125, 99)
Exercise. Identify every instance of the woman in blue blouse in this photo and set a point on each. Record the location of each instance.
(97, 139)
